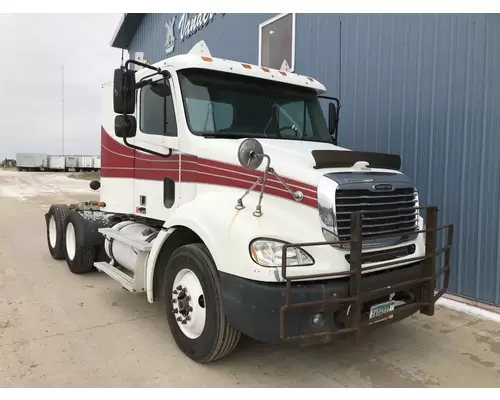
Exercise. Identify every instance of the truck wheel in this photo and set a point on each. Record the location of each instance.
(55, 229)
(193, 305)
(79, 256)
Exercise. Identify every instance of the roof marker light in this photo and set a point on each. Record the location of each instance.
(206, 59)
(247, 66)
(266, 69)
(283, 73)
(311, 79)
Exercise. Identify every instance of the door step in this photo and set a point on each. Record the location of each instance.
(122, 278)
(115, 234)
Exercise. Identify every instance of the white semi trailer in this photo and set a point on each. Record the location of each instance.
(31, 161)
(225, 194)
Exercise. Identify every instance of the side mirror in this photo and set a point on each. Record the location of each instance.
(161, 88)
(333, 120)
(124, 91)
(125, 126)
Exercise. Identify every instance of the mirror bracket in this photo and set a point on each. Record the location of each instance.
(250, 155)
(124, 102)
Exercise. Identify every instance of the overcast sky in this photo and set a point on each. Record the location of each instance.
(33, 49)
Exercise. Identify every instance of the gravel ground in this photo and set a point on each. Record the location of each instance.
(62, 330)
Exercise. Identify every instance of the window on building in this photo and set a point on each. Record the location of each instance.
(277, 42)
(152, 114)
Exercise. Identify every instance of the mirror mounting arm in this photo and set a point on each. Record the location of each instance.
(133, 146)
(166, 74)
(250, 155)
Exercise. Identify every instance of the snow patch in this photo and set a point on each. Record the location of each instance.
(23, 185)
(469, 310)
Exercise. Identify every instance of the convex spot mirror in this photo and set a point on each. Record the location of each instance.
(250, 154)
(124, 91)
(125, 126)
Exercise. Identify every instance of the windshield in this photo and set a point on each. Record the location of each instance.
(226, 105)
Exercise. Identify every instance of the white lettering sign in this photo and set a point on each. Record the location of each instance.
(189, 25)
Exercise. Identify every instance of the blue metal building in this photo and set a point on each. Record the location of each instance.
(425, 86)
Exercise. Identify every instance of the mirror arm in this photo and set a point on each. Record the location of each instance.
(133, 146)
(143, 83)
(166, 74)
(331, 98)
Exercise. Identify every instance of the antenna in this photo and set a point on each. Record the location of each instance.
(62, 107)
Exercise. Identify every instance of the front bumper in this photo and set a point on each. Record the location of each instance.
(273, 312)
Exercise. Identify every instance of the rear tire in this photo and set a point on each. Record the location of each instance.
(206, 336)
(79, 256)
(56, 218)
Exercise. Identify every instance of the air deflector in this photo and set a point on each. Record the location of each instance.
(346, 159)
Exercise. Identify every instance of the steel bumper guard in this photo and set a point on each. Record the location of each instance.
(356, 319)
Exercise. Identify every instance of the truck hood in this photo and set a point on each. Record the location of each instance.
(291, 159)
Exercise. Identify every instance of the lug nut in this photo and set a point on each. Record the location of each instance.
(174, 292)
(184, 322)
(179, 287)
(179, 318)
(174, 300)
(190, 309)
(176, 310)
(188, 318)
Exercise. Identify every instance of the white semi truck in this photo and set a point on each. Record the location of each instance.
(224, 193)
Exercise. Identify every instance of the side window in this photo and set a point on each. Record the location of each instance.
(207, 116)
(152, 114)
(296, 113)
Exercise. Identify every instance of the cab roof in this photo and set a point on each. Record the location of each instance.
(200, 57)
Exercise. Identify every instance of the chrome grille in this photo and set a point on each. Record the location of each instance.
(388, 212)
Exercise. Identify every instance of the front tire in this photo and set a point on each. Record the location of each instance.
(79, 256)
(193, 305)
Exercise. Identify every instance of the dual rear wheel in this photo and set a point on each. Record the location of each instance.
(66, 239)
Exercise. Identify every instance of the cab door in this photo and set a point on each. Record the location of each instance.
(156, 175)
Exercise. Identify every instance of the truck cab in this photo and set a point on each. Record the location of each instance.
(225, 194)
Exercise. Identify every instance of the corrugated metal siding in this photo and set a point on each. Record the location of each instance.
(232, 36)
(423, 86)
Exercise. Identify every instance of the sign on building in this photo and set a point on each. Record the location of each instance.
(187, 26)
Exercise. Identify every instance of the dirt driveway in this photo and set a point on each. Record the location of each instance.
(63, 330)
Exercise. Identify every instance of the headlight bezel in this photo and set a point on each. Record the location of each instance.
(282, 243)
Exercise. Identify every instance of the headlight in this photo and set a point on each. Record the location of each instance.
(267, 253)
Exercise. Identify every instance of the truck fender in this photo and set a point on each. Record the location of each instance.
(162, 239)
(158, 243)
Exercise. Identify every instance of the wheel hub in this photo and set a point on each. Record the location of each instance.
(183, 302)
(188, 304)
